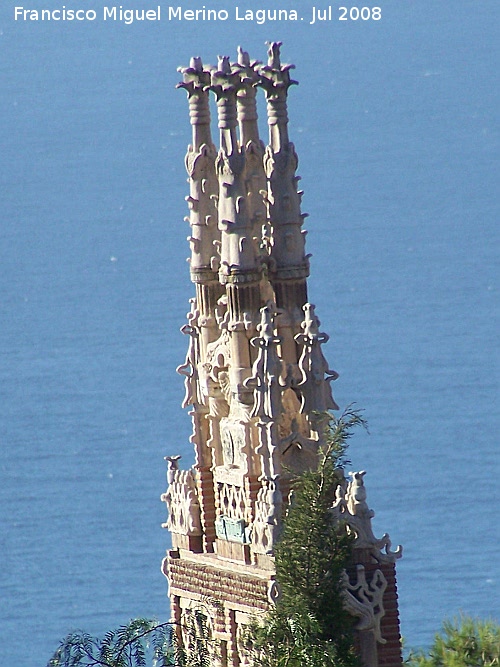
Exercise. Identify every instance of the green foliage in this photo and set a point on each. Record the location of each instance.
(463, 642)
(308, 626)
(197, 651)
(137, 644)
(128, 645)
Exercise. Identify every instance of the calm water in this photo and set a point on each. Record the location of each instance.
(398, 161)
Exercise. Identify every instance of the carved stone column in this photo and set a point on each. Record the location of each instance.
(289, 265)
(203, 186)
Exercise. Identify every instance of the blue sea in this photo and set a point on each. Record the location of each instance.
(396, 126)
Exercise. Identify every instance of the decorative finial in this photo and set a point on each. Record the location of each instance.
(243, 58)
(173, 466)
(273, 53)
(274, 74)
(196, 64)
(311, 322)
(223, 64)
(194, 76)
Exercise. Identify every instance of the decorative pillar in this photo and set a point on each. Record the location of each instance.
(204, 263)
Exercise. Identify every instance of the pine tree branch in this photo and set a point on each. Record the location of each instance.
(140, 636)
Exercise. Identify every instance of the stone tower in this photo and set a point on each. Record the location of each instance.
(257, 382)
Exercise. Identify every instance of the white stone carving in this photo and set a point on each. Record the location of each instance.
(190, 367)
(365, 600)
(276, 80)
(234, 209)
(173, 467)
(232, 502)
(198, 625)
(200, 420)
(265, 527)
(218, 355)
(314, 385)
(254, 175)
(234, 441)
(246, 653)
(350, 507)
(282, 199)
(266, 371)
(182, 501)
(273, 591)
(200, 165)
(298, 452)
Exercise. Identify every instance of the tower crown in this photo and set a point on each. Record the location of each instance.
(255, 374)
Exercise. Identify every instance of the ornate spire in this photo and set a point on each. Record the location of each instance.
(254, 370)
(195, 82)
(256, 380)
(246, 70)
(237, 246)
(283, 200)
(251, 145)
(200, 165)
(275, 79)
(225, 84)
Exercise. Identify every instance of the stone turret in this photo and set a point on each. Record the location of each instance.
(257, 381)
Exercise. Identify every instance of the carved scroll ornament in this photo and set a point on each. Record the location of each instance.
(314, 385)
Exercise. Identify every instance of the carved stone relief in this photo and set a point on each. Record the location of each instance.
(182, 502)
(365, 600)
(266, 371)
(314, 385)
(234, 442)
(265, 527)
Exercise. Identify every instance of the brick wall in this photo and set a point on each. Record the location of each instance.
(245, 589)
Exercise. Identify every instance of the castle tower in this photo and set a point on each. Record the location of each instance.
(256, 379)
